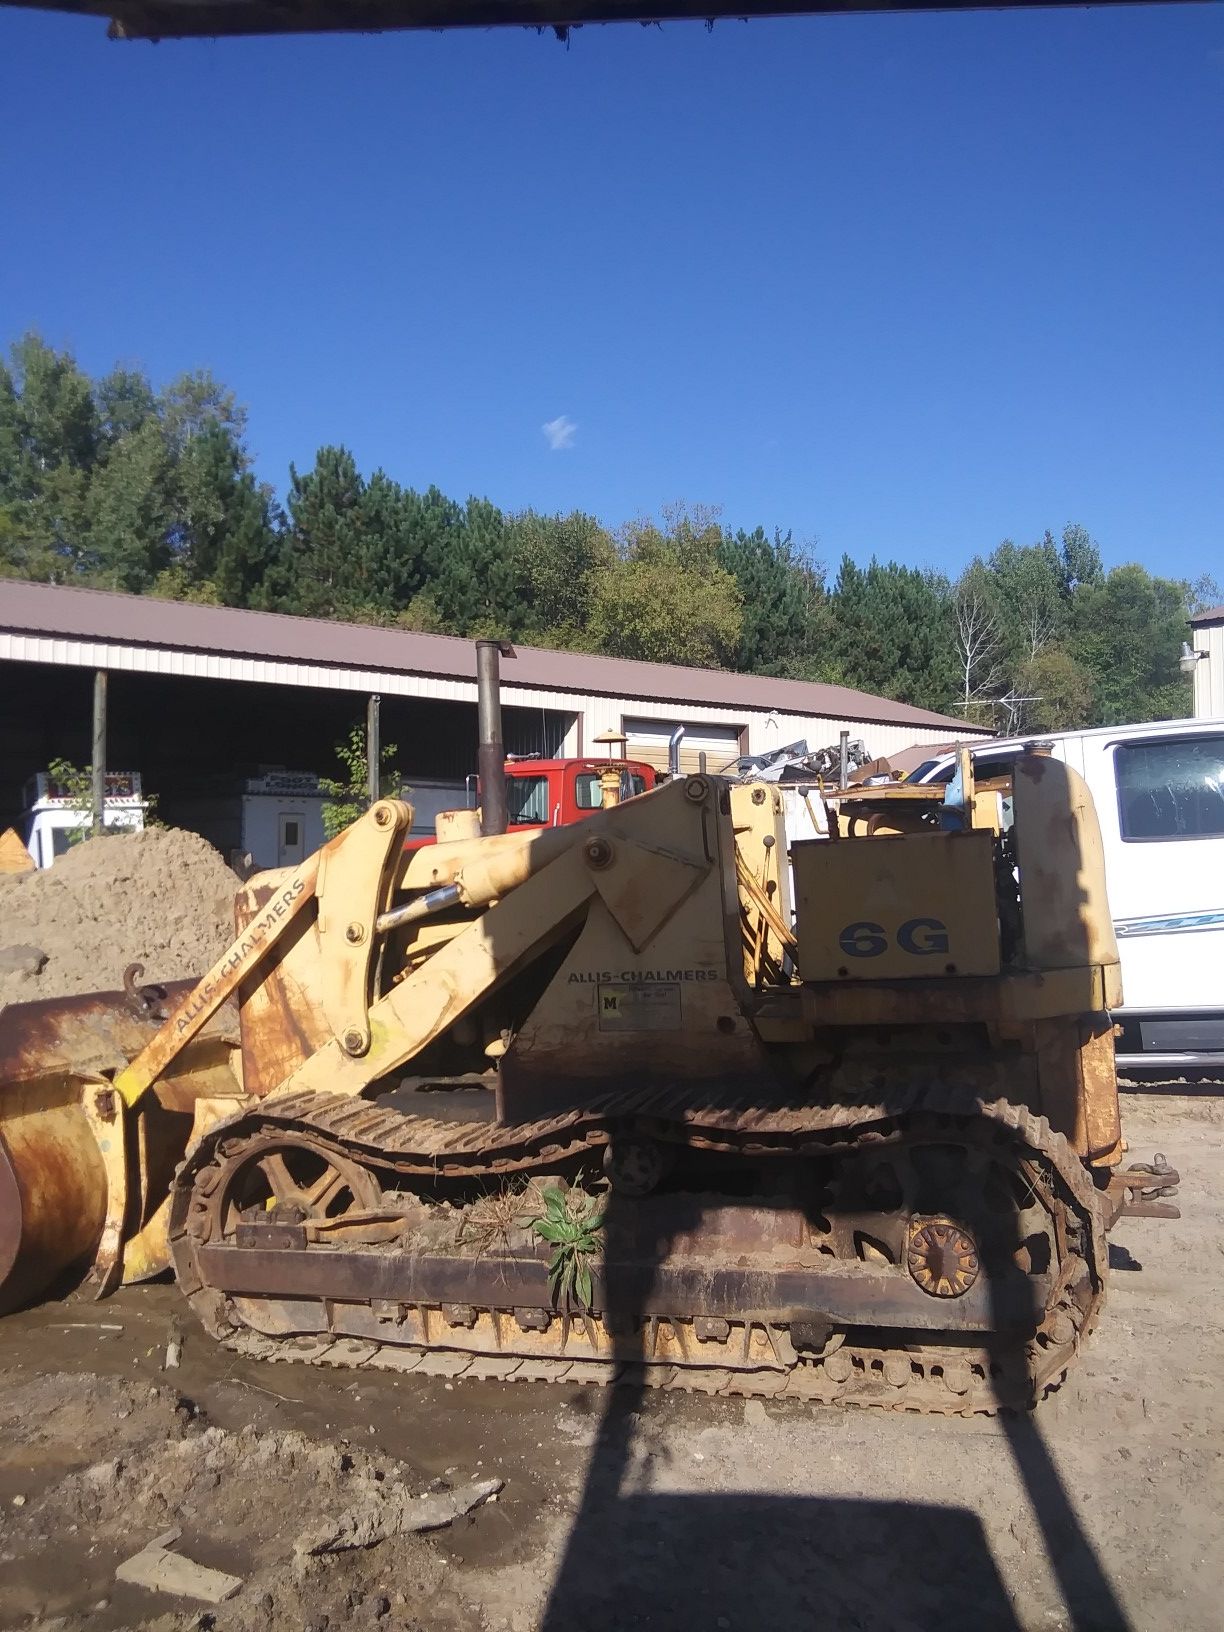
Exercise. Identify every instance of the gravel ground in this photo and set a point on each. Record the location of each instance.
(1101, 1512)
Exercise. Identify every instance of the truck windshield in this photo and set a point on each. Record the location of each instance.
(589, 795)
(527, 799)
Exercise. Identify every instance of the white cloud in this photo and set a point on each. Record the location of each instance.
(559, 433)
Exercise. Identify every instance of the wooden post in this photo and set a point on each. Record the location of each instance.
(373, 751)
(98, 761)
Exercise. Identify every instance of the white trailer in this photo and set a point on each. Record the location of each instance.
(52, 815)
(1159, 794)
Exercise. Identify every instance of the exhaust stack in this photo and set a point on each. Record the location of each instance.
(491, 753)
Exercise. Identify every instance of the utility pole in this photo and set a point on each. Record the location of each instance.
(98, 760)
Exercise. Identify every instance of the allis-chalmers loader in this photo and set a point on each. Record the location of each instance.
(602, 1099)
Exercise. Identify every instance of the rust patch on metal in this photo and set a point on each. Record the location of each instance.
(94, 1032)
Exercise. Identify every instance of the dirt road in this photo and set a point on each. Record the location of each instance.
(668, 1512)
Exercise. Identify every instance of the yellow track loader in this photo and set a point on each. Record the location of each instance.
(657, 1094)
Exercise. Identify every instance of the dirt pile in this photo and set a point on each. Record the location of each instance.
(163, 898)
(260, 1505)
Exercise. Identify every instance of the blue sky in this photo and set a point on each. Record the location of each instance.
(903, 284)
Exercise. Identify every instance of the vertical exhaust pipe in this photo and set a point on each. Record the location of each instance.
(491, 753)
(673, 751)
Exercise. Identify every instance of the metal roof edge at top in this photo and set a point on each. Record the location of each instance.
(183, 19)
(1210, 614)
(102, 615)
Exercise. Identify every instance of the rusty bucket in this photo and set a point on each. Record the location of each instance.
(53, 1175)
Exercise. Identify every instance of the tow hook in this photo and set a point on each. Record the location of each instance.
(1141, 1191)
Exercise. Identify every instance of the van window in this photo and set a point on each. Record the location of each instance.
(527, 799)
(1172, 789)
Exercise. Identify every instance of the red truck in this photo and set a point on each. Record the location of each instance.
(555, 792)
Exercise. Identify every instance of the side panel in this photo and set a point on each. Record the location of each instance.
(653, 984)
(896, 908)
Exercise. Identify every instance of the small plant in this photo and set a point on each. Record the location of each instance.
(348, 799)
(571, 1222)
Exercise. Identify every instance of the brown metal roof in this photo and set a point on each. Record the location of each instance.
(171, 19)
(97, 614)
(1213, 614)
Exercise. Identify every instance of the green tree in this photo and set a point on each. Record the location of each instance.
(1127, 631)
(1053, 693)
(558, 561)
(477, 590)
(1027, 589)
(666, 599)
(116, 485)
(784, 616)
(654, 611)
(131, 506)
(319, 569)
(393, 560)
(893, 633)
(225, 536)
(1081, 560)
(125, 402)
(48, 444)
(435, 525)
(59, 419)
(192, 402)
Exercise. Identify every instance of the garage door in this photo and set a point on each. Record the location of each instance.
(648, 740)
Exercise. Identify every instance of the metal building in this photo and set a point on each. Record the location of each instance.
(213, 706)
(1207, 647)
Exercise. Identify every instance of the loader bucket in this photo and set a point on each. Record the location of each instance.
(53, 1173)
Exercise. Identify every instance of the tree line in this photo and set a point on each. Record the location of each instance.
(113, 484)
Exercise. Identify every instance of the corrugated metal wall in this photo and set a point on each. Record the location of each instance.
(1209, 672)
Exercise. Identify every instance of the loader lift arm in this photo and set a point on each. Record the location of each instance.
(364, 888)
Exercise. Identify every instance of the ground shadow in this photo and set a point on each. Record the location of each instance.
(741, 1561)
(677, 1563)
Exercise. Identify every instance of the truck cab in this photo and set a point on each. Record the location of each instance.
(555, 792)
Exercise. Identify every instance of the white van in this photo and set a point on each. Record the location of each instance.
(1159, 794)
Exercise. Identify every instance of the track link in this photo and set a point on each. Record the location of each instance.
(883, 1371)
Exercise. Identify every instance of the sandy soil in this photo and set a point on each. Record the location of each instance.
(671, 1512)
(164, 898)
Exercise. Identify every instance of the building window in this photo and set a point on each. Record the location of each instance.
(1172, 789)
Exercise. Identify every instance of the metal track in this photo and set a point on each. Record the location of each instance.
(923, 1376)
